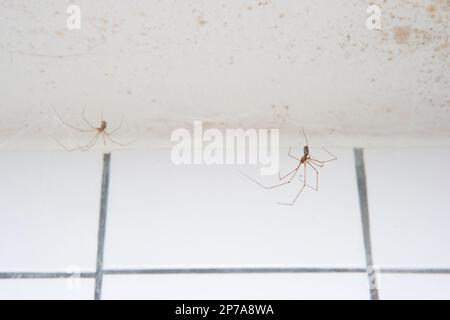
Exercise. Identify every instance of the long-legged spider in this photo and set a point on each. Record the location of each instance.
(305, 160)
(99, 132)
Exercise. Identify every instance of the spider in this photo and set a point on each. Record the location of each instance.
(99, 132)
(304, 161)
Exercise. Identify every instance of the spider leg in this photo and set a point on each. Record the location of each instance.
(118, 128)
(285, 176)
(83, 115)
(64, 147)
(332, 159)
(298, 194)
(290, 172)
(317, 176)
(90, 144)
(323, 162)
(108, 136)
(316, 188)
(80, 148)
(306, 139)
(290, 155)
(316, 162)
(275, 186)
(71, 126)
(103, 138)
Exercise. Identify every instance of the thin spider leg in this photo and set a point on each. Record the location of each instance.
(118, 128)
(290, 155)
(79, 148)
(298, 194)
(90, 144)
(108, 136)
(287, 175)
(71, 126)
(316, 162)
(64, 147)
(83, 115)
(103, 138)
(292, 171)
(317, 176)
(334, 157)
(316, 188)
(323, 162)
(275, 186)
(306, 139)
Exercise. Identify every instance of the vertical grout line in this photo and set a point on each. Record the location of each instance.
(102, 226)
(364, 207)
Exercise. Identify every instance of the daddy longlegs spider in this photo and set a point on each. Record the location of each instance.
(99, 132)
(303, 161)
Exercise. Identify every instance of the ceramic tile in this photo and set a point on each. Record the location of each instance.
(237, 286)
(46, 289)
(409, 206)
(414, 286)
(160, 214)
(49, 208)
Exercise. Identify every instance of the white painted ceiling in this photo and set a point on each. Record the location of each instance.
(250, 64)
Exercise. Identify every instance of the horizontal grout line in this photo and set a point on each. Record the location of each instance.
(45, 275)
(416, 271)
(231, 270)
(63, 275)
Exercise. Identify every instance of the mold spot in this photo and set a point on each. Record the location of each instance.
(402, 34)
(432, 10)
(201, 21)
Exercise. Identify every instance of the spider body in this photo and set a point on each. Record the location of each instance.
(102, 127)
(305, 156)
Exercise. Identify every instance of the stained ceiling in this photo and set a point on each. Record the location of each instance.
(248, 64)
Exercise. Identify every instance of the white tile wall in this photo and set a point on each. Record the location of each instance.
(414, 286)
(166, 216)
(237, 286)
(160, 214)
(46, 289)
(409, 205)
(49, 209)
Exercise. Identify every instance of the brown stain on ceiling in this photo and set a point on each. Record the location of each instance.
(432, 10)
(402, 34)
(201, 21)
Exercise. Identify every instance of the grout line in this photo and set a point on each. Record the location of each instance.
(62, 275)
(364, 207)
(45, 275)
(102, 226)
(231, 270)
(415, 271)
